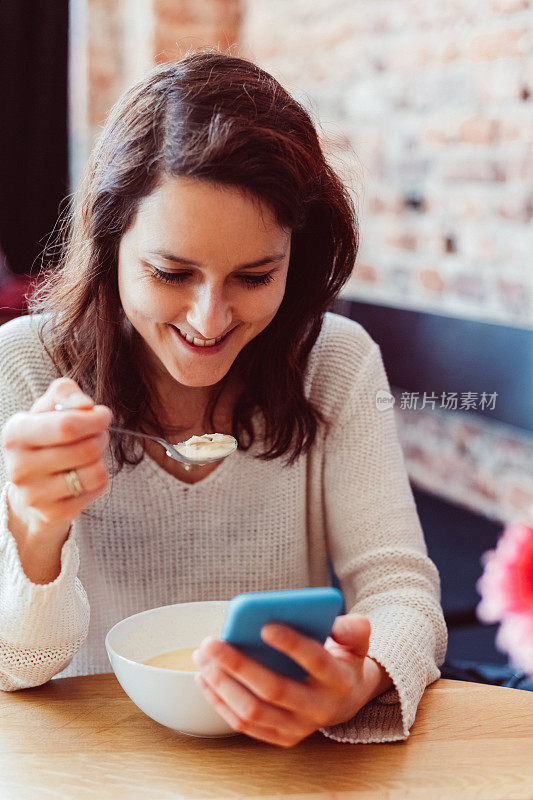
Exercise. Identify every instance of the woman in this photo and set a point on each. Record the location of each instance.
(207, 242)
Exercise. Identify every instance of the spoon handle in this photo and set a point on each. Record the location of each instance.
(171, 449)
(116, 429)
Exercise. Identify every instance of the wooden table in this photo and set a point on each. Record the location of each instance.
(83, 737)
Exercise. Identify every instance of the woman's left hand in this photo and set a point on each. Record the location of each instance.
(270, 707)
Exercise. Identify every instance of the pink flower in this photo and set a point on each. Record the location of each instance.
(515, 636)
(506, 588)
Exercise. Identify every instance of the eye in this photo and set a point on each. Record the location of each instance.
(253, 281)
(169, 277)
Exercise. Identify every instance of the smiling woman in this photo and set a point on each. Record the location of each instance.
(204, 247)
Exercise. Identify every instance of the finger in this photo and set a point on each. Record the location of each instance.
(294, 696)
(68, 509)
(23, 468)
(62, 390)
(248, 713)
(271, 687)
(43, 492)
(352, 631)
(51, 428)
(254, 731)
(321, 665)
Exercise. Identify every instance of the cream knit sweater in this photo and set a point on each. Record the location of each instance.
(250, 525)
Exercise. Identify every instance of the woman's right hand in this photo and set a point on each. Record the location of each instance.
(42, 446)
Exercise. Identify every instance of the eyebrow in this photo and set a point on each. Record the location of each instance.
(261, 262)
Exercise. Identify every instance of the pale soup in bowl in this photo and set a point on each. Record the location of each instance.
(142, 650)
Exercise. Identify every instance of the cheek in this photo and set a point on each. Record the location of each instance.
(265, 306)
(144, 301)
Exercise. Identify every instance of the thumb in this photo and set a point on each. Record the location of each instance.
(64, 391)
(352, 631)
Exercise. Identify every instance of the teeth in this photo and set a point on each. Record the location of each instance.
(201, 342)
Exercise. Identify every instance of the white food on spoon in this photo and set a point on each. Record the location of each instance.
(209, 445)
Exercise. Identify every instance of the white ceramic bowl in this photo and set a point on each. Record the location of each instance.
(169, 696)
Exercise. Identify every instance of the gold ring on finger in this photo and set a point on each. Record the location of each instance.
(74, 483)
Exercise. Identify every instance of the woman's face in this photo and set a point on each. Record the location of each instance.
(201, 260)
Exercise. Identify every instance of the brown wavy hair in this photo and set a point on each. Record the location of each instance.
(220, 118)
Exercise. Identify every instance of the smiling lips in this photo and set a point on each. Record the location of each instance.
(202, 342)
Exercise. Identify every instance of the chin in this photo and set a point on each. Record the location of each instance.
(198, 382)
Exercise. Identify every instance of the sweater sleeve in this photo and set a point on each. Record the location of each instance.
(41, 625)
(379, 554)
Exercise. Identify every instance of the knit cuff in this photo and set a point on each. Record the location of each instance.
(16, 589)
(409, 661)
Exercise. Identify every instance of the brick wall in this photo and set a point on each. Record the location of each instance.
(183, 24)
(427, 109)
(113, 42)
(485, 467)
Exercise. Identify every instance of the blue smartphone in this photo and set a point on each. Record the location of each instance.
(311, 612)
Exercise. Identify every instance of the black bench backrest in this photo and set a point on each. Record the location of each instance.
(426, 352)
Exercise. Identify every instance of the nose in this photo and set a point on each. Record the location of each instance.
(209, 313)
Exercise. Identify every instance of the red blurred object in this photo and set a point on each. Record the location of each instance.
(506, 588)
(13, 290)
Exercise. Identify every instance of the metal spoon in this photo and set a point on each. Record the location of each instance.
(171, 449)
